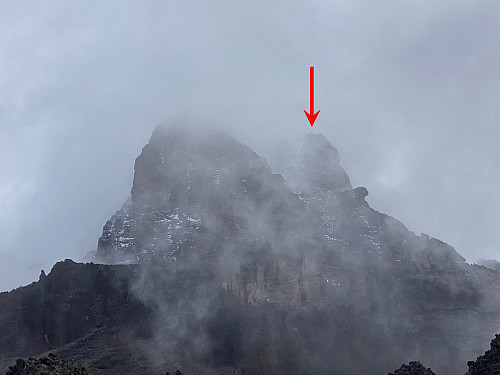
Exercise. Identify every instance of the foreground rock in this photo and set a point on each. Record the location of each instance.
(413, 368)
(489, 363)
(50, 365)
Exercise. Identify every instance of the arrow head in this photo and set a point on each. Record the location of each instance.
(311, 117)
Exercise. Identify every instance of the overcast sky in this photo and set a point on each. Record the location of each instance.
(409, 94)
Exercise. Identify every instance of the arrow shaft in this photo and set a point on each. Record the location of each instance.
(311, 72)
(311, 116)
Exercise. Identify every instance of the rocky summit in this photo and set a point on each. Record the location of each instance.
(216, 264)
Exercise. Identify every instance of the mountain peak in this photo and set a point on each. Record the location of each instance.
(321, 165)
(315, 142)
(313, 169)
(180, 163)
(265, 278)
(187, 183)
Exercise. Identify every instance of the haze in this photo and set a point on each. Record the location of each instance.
(408, 94)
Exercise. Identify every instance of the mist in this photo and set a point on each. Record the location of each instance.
(407, 93)
(240, 272)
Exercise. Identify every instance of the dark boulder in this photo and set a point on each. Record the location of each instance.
(413, 368)
(489, 363)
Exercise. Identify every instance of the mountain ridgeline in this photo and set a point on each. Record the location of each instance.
(217, 265)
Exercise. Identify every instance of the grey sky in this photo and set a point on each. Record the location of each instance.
(408, 91)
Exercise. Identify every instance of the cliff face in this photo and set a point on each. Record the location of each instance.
(67, 305)
(110, 319)
(240, 269)
(205, 199)
(197, 190)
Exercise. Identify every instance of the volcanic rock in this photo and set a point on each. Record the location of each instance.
(489, 363)
(49, 365)
(413, 368)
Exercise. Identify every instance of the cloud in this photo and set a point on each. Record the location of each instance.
(408, 94)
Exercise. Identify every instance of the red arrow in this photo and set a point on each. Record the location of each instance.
(312, 116)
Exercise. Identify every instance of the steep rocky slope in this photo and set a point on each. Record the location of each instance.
(240, 270)
(74, 302)
(105, 317)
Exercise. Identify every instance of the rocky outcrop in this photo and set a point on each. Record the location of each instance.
(489, 363)
(107, 317)
(318, 168)
(413, 368)
(46, 365)
(67, 304)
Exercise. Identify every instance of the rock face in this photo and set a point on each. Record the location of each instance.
(489, 363)
(66, 305)
(196, 189)
(72, 305)
(46, 365)
(217, 265)
(204, 198)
